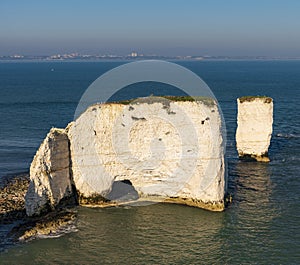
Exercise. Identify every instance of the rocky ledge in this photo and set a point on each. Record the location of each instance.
(13, 216)
(12, 198)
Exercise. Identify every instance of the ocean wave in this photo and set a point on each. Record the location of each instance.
(67, 229)
(287, 135)
(60, 232)
(284, 159)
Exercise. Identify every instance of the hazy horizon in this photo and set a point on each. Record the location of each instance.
(217, 28)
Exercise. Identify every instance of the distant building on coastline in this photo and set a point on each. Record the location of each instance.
(133, 54)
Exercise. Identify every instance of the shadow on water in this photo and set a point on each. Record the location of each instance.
(246, 235)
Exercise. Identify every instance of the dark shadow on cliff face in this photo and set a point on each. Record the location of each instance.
(122, 191)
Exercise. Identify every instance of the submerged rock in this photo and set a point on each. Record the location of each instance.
(50, 179)
(52, 224)
(254, 131)
(17, 227)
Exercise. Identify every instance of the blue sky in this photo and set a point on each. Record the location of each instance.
(166, 27)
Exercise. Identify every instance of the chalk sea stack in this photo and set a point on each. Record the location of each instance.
(50, 180)
(254, 130)
(168, 149)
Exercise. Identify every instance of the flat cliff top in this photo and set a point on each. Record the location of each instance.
(156, 99)
(252, 98)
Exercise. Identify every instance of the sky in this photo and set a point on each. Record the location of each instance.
(162, 27)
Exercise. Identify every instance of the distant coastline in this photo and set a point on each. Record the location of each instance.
(134, 56)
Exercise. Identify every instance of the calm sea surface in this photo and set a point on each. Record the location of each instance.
(261, 226)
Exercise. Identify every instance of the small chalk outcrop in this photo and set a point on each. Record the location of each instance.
(170, 151)
(50, 181)
(254, 130)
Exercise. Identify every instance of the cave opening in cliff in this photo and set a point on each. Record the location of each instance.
(123, 190)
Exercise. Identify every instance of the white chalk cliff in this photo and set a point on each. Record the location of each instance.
(254, 131)
(170, 151)
(49, 174)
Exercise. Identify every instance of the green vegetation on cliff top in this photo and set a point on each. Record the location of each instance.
(252, 98)
(163, 99)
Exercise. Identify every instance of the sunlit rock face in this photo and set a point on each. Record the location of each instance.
(49, 174)
(254, 131)
(171, 151)
(168, 150)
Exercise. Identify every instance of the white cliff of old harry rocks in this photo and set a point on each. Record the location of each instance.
(49, 174)
(169, 150)
(254, 131)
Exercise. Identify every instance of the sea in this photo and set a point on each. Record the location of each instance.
(260, 226)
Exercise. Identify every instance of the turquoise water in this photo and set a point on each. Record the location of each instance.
(261, 226)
